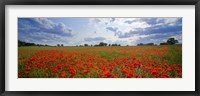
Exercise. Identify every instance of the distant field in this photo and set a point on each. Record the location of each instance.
(100, 62)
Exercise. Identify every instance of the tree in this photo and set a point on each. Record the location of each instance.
(163, 43)
(21, 43)
(176, 41)
(140, 44)
(85, 44)
(62, 45)
(103, 44)
(114, 45)
(172, 41)
(58, 45)
(109, 45)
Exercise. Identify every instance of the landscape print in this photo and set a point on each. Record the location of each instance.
(100, 47)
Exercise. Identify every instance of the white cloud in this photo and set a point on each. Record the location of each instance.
(46, 23)
(43, 25)
(114, 30)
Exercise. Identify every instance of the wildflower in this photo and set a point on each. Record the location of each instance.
(63, 74)
(55, 70)
(165, 76)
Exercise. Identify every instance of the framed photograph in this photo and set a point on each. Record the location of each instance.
(100, 47)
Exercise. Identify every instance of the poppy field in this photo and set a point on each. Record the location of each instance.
(100, 62)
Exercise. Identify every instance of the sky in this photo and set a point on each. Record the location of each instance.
(79, 31)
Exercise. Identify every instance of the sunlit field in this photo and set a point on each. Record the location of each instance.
(100, 62)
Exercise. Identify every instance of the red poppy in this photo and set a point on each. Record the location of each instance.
(55, 70)
(107, 74)
(125, 70)
(165, 76)
(86, 71)
(28, 68)
(75, 63)
(155, 73)
(63, 74)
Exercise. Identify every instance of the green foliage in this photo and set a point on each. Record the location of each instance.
(22, 43)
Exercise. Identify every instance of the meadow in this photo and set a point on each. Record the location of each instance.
(163, 61)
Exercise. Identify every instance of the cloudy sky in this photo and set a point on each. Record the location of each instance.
(79, 31)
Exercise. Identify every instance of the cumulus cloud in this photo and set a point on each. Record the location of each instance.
(95, 39)
(42, 38)
(155, 29)
(110, 30)
(164, 26)
(112, 20)
(129, 22)
(43, 25)
(96, 20)
(43, 31)
(158, 38)
(44, 22)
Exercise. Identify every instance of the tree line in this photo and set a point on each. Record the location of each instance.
(100, 44)
(22, 43)
(170, 41)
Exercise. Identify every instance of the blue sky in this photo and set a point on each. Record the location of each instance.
(79, 31)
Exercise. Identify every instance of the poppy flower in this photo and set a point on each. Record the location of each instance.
(55, 70)
(63, 74)
(107, 74)
(165, 76)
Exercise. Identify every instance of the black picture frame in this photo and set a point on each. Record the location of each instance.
(99, 2)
